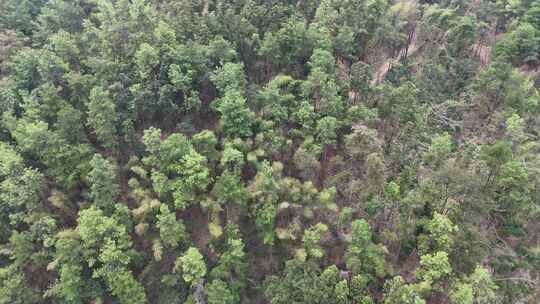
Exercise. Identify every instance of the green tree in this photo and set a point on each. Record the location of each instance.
(72, 285)
(68, 125)
(230, 77)
(120, 280)
(229, 189)
(232, 265)
(515, 128)
(440, 149)
(171, 231)
(192, 266)
(178, 170)
(232, 160)
(264, 190)
(21, 187)
(311, 239)
(195, 178)
(236, 119)
(362, 142)
(499, 85)
(519, 45)
(102, 117)
(19, 15)
(462, 294)
(434, 268)
(363, 256)
(396, 291)
(326, 130)
(288, 44)
(14, 287)
(106, 244)
(484, 289)
(104, 189)
(218, 292)
(440, 233)
(306, 159)
(361, 233)
(321, 85)
(152, 140)
(146, 58)
(361, 76)
(205, 143)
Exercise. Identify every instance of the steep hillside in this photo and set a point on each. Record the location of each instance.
(270, 151)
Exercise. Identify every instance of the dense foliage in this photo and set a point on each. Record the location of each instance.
(283, 151)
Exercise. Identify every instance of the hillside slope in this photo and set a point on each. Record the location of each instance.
(276, 151)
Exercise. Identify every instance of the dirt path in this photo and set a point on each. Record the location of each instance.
(382, 70)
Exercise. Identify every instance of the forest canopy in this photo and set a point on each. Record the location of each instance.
(270, 151)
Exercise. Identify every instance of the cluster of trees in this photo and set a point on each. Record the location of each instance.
(250, 151)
